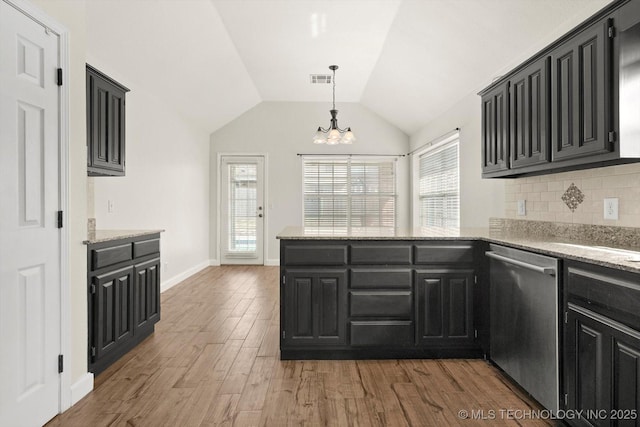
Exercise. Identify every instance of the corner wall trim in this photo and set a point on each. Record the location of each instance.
(81, 388)
(272, 262)
(168, 284)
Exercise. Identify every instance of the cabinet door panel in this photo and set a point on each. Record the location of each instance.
(147, 292)
(113, 317)
(316, 308)
(529, 132)
(444, 306)
(580, 87)
(328, 313)
(626, 377)
(495, 125)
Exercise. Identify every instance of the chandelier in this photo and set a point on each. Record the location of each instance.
(333, 135)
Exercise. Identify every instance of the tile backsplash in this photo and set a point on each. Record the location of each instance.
(552, 197)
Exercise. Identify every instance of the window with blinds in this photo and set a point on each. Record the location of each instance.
(353, 195)
(438, 187)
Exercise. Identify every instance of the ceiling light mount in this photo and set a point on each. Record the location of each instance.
(333, 135)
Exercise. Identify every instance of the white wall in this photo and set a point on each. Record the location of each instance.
(480, 198)
(166, 184)
(283, 129)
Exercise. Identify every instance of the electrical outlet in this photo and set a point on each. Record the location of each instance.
(109, 206)
(522, 207)
(611, 208)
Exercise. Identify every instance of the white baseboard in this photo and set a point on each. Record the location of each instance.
(168, 284)
(272, 262)
(81, 388)
(214, 263)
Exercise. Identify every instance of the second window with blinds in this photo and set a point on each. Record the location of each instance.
(436, 184)
(349, 195)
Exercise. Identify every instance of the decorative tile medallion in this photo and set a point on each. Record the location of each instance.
(573, 197)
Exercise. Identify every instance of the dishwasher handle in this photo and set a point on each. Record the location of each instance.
(551, 271)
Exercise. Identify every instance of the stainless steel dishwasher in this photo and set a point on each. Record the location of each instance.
(524, 320)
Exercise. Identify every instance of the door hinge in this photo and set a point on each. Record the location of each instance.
(612, 136)
(60, 219)
(566, 317)
(566, 399)
(475, 279)
(284, 280)
(92, 288)
(284, 334)
(60, 363)
(93, 352)
(475, 333)
(612, 32)
(59, 77)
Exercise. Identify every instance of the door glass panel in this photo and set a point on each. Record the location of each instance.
(242, 205)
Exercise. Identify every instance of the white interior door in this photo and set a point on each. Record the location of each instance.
(242, 210)
(30, 253)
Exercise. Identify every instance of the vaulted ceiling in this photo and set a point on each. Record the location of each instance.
(407, 60)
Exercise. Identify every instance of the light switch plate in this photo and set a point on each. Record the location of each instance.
(522, 207)
(611, 208)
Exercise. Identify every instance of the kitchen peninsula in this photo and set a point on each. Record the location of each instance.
(417, 293)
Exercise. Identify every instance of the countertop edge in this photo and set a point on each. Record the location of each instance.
(110, 235)
(564, 253)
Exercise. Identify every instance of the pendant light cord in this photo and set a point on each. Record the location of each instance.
(334, 89)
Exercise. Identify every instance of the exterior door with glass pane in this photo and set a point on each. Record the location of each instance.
(242, 210)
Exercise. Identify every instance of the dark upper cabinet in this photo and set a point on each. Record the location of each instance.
(562, 111)
(105, 125)
(529, 115)
(315, 307)
(580, 94)
(495, 130)
(444, 313)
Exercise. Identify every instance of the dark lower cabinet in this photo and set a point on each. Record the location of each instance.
(315, 304)
(377, 299)
(602, 369)
(147, 295)
(444, 312)
(123, 296)
(602, 346)
(113, 316)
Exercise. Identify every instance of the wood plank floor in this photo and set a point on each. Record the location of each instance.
(214, 361)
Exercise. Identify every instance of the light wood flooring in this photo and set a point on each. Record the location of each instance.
(214, 361)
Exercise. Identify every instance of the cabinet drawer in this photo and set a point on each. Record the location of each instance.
(380, 279)
(382, 333)
(444, 253)
(381, 254)
(381, 304)
(146, 247)
(315, 255)
(104, 257)
(612, 293)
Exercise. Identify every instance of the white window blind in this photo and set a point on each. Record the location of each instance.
(438, 188)
(349, 195)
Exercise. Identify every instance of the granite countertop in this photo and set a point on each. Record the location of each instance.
(618, 256)
(98, 236)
